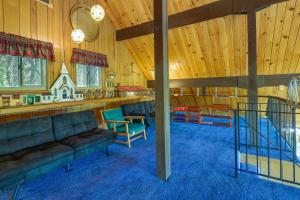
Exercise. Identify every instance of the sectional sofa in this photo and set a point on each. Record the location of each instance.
(33, 147)
(145, 108)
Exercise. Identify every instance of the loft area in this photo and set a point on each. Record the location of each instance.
(206, 107)
(160, 99)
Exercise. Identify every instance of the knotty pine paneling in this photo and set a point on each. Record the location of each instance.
(32, 19)
(216, 47)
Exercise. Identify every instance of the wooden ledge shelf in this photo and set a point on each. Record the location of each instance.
(87, 104)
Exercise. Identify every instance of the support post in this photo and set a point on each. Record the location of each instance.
(252, 77)
(162, 98)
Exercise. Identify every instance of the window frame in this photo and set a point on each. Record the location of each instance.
(88, 77)
(44, 78)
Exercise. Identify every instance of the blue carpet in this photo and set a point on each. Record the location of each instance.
(267, 136)
(202, 168)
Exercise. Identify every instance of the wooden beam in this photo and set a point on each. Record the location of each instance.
(199, 14)
(252, 88)
(199, 82)
(252, 58)
(162, 97)
(233, 81)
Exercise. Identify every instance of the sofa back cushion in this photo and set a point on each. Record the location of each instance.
(152, 106)
(140, 108)
(70, 124)
(147, 106)
(114, 115)
(128, 109)
(22, 134)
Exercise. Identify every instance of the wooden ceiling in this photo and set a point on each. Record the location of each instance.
(217, 47)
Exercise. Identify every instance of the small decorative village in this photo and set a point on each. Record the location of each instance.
(62, 90)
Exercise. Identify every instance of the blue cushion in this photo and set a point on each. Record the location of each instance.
(43, 154)
(147, 106)
(70, 124)
(89, 138)
(140, 108)
(90, 142)
(10, 168)
(152, 106)
(133, 128)
(22, 134)
(115, 115)
(44, 169)
(134, 108)
(129, 108)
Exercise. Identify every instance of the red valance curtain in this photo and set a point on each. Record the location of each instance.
(20, 46)
(89, 58)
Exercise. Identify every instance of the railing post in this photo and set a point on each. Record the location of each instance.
(280, 139)
(235, 143)
(294, 132)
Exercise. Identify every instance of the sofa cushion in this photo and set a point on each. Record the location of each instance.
(147, 107)
(89, 138)
(113, 114)
(132, 128)
(21, 134)
(70, 124)
(9, 167)
(140, 108)
(43, 154)
(40, 170)
(134, 108)
(152, 106)
(90, 142)
(148, 120)
(129, 108)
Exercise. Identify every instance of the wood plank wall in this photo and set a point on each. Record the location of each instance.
(32, 19)
(186, 99)
(218, 47)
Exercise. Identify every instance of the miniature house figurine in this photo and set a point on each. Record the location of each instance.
(63, 88)
(6, 100)
(47, 98)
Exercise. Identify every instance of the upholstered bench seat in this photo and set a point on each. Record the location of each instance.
(90, 141)
(43, 154)
(31, 162)
(10, 170)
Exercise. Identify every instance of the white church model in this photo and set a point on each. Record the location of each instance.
(63, 88)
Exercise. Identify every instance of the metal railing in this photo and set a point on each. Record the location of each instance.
(278, 111)
(273, 155)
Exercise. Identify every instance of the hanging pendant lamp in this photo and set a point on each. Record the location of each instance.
(97, 13)
(77, 35)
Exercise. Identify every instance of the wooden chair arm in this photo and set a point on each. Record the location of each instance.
(116, 122)
(134, 117)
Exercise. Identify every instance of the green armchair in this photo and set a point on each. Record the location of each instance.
(124, 126)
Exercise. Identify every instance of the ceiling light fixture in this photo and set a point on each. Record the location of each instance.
(97, 12)
(77, 35)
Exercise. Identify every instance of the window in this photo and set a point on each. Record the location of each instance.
(88, 76)
(22, 72)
